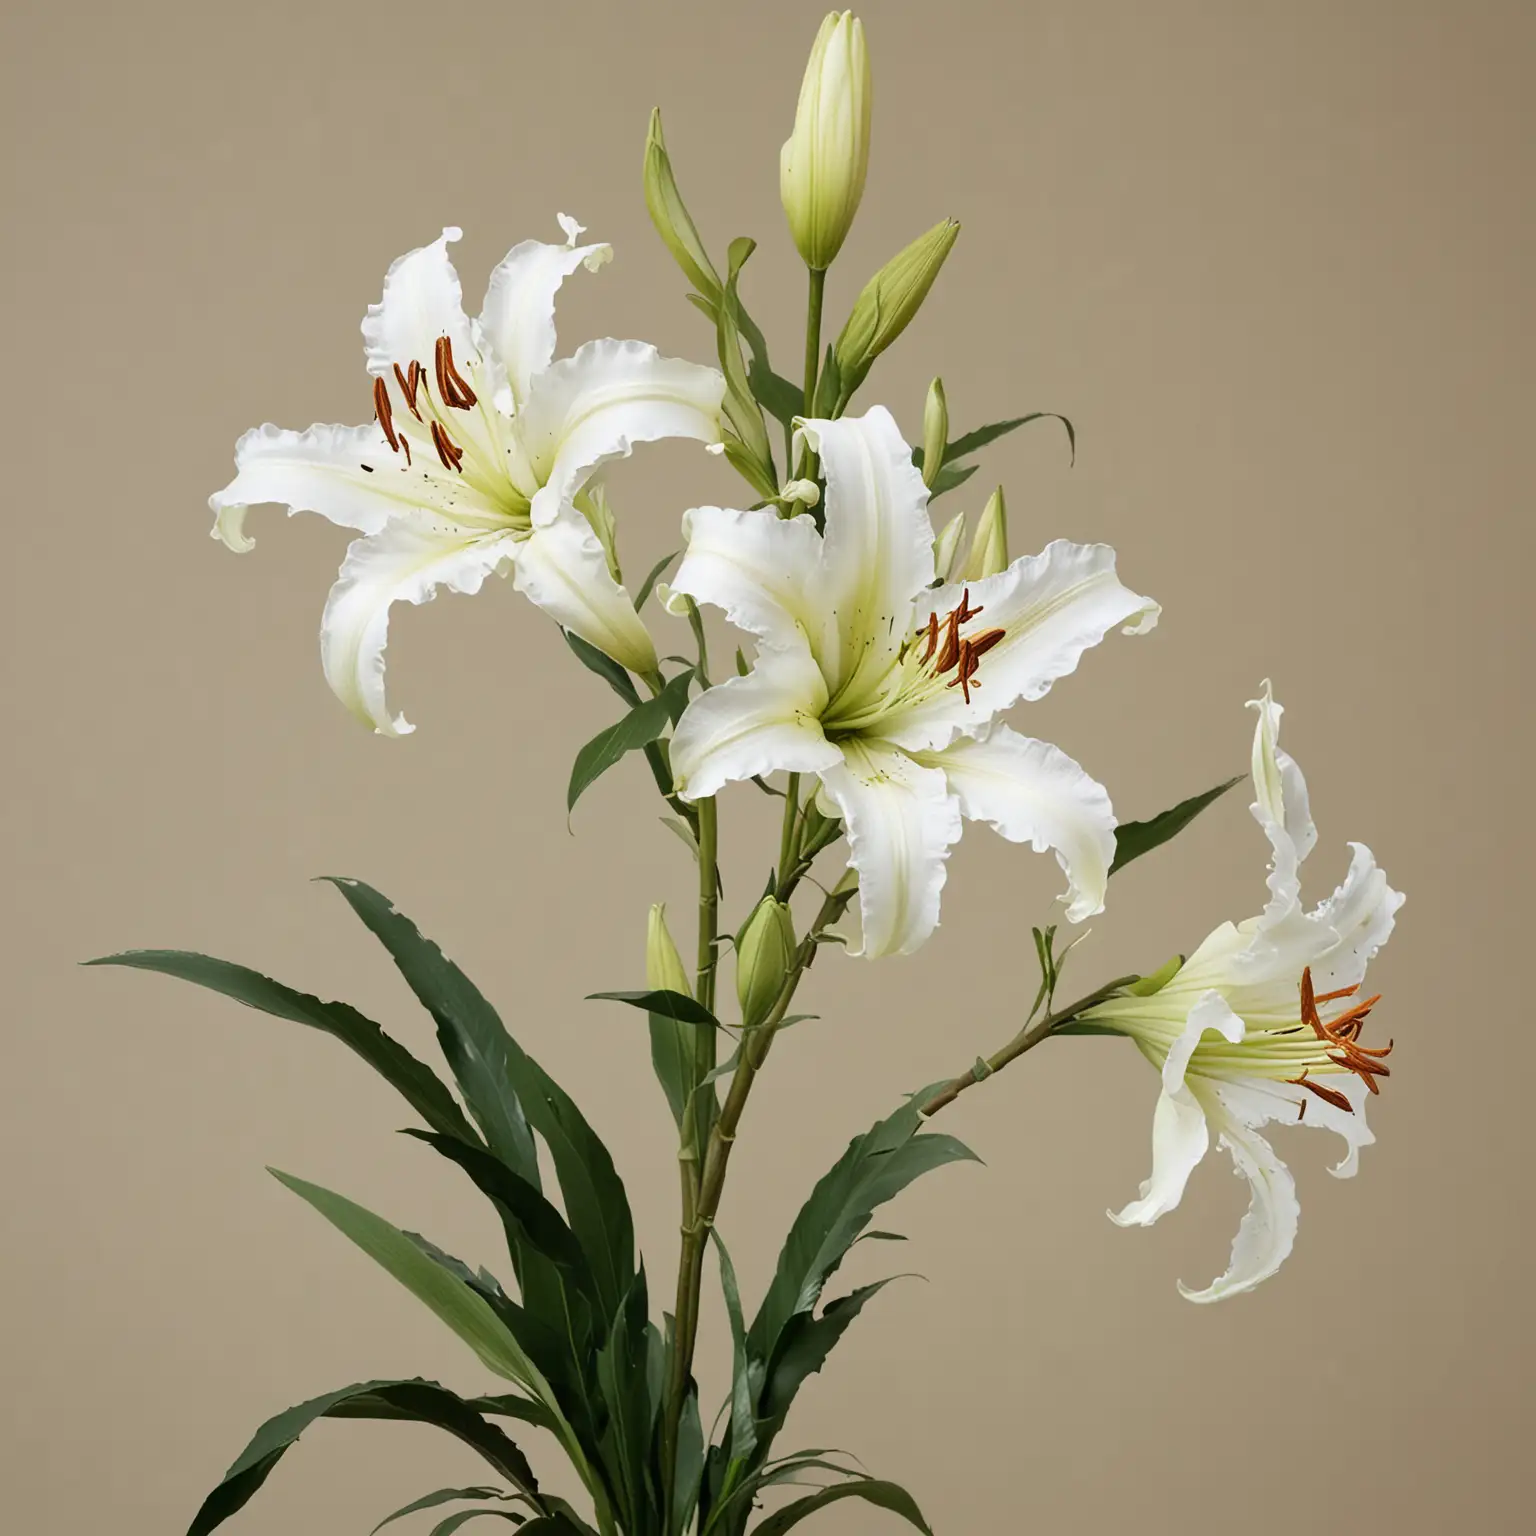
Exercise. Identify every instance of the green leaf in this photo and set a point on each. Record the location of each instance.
(962, 447)
(470, 1034)
(604, 666)
(536, 1220)
(950, 476)
(755, 459)
(743, 1438)
(782, 399)
(683, 832)
(596, 1207)
(423, 1402)
(421, 1088)
(673, 223)
(690, 1466)
(438, 1497)
(641, 726)
(670, 1005)
(877, 1166)
(468, 1314)
(464, 1516)
(1134, 838)
(649, 584)
(891, 1496)
(624, 1383)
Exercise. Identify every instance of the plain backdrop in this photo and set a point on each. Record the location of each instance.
(1275, 261)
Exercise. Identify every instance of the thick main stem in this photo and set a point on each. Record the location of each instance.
(809, 466)
(1026, 1040)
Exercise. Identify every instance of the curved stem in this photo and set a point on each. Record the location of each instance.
(1026, 1040)
(789, 850)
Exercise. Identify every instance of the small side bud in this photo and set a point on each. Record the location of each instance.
(664, 971)
(889, 301)
(765, 950)
(935, 431)
(989, 549)
(946, 548)
(824, 161)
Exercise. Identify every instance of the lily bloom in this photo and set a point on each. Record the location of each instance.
(1264, 1023)
(888, 687)
(476, 460)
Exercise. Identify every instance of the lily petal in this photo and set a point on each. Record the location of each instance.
(1267, 1231)
(1051, 608)
(321, 470)
(562, 568)
(595, 405)
(878, 551)
(756, 566)
(760, 723)
(902, 820)
(1032, 792)
(1180, 1138)
(1257, 1101)
(1281, 807)
(518, 320)
(1362, 912)
(422, 301)
(405, 562)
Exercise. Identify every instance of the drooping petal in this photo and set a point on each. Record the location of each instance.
(1257, 1101)
(1267, 1231)
(1032, 792)
(902, 821)
(757, 567)
(1210, 1012)
(422, 301)
(518, 320)
(346, 474)
(878, 548)
(595, 405)
(405, 562)
(1362, 913)
(1180, 1138)
(1281, 808)
(1051, 608)
(760, 723)
(562, 568)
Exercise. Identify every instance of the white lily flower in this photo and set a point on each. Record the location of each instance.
(1263, 1023)
(889, 688)
(476, 460)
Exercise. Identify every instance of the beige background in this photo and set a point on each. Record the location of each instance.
(1275, 260)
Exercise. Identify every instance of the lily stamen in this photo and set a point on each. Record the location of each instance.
(447, 450)
(451, 384)
(1343, 1033)
(409, 384)
(1326, 1094)
(385, 414)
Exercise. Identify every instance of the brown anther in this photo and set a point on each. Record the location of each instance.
(966, 612)
(933, 638)
(447, 450)
(949, 652)
(405, 444)
(385, 414)
(409, 384)
(451, 385)
(1343, 1033)
(1328, 1095)
(1333, 997)
(984, 642)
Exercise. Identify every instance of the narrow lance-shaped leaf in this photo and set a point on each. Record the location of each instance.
(641, 726)
(596, 1206)
(884, 1495)
(1134, 838)
(422, 1089)
(439, 1497)
(673, 223)
(670, 1005)
(604, 666)
(423, 1402)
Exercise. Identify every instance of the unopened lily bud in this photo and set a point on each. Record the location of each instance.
(824, 161)
(805, 493)
(664, 970)
(935, 431)
(765, 951)
(989, 549)
(889, 301)
(946, 548)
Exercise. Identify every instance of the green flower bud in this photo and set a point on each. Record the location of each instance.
(824, 161)
(935, 431)
(889, 301)
(765, 950)
(946, 548)
(671, 219)
(664, 971)
(989, 549)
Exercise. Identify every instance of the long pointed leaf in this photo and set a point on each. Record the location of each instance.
(891, 1496)
(438, 1497)
(421, 1088)
(1134, 838)
(421, 1401)
(639, 728)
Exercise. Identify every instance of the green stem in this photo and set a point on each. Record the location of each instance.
(789, 851)
(754, 1049)
(1026, 1040)
(810, 466)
